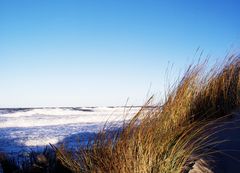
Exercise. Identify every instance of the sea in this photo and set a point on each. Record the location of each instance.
(32, 129)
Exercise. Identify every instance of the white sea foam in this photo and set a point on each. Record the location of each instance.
(53, 117)
(41, 126)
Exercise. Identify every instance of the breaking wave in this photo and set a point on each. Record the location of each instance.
(28, 127)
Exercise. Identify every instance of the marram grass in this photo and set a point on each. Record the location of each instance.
(160, 138)
(166, 138)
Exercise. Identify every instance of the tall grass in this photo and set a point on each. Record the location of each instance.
(160, 138)
(166, 138)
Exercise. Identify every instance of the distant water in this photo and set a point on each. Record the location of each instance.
(33, 128)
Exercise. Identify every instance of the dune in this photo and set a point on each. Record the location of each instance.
(226, 158)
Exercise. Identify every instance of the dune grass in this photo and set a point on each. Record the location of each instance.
(166, 138)
(163, 138)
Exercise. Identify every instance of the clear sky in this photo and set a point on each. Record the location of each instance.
(91, 52)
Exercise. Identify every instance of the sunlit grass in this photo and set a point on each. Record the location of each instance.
(165, 138)
(160, 138)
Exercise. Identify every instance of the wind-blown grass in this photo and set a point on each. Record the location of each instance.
(163, 138)
(166, 138)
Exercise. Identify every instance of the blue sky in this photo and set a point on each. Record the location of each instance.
(87, 53)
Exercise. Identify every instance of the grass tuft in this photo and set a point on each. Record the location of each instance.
(170, 137)
(160, 138)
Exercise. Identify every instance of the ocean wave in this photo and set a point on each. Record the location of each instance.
(41, 126)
